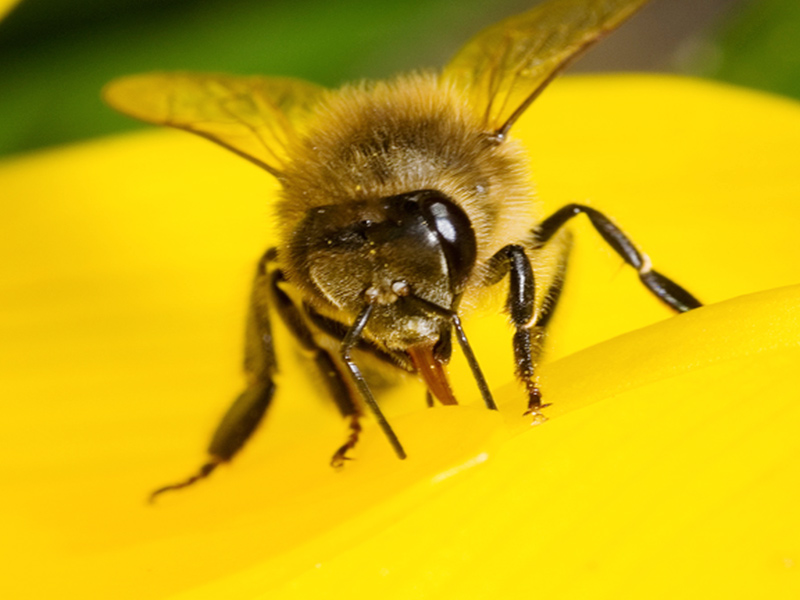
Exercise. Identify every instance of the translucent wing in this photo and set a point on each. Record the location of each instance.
(254, 117)
(506, 66)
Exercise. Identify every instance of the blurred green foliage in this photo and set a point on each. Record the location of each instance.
(57, 54)
(759, 47)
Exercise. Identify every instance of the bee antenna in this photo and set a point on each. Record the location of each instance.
(204, 472)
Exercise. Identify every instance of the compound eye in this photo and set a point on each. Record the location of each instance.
(455, 233)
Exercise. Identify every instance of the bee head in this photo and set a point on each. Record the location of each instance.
(399, 254)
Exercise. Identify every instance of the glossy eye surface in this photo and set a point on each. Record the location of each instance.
(455, 233)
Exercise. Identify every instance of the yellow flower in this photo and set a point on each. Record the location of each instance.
(670, 466)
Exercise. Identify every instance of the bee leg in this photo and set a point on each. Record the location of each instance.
(340, 456)
(294, 319)
(348, 343)
(539, 331)
(513, 261)
(245, 414)
(669, 292)
(342, 395)
(443, 347)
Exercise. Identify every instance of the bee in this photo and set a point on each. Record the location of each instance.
(401, 203)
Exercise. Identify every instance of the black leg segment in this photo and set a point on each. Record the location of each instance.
(662, 287)
(514, 262)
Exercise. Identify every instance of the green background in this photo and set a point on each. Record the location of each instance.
(55, 55)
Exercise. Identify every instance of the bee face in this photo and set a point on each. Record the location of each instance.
(401, 202)
(399, 254)
(368, 150)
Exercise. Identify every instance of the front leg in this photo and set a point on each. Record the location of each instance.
(247, 412)
(530, 322)
(528, 337)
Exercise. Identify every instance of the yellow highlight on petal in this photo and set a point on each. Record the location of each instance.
(6, 6)
(668, 468)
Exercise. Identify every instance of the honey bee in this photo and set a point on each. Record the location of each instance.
(401, 203)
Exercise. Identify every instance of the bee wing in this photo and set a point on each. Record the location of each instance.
(506, 66)
(255, 117)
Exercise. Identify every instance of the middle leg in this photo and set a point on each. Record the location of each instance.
(332, 376)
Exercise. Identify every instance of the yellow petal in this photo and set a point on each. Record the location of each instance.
(678, 485)
(6, 6)
(669, 467)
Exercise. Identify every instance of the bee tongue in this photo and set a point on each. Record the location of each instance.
(432, 372)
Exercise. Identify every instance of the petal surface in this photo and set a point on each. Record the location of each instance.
(669, 466)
